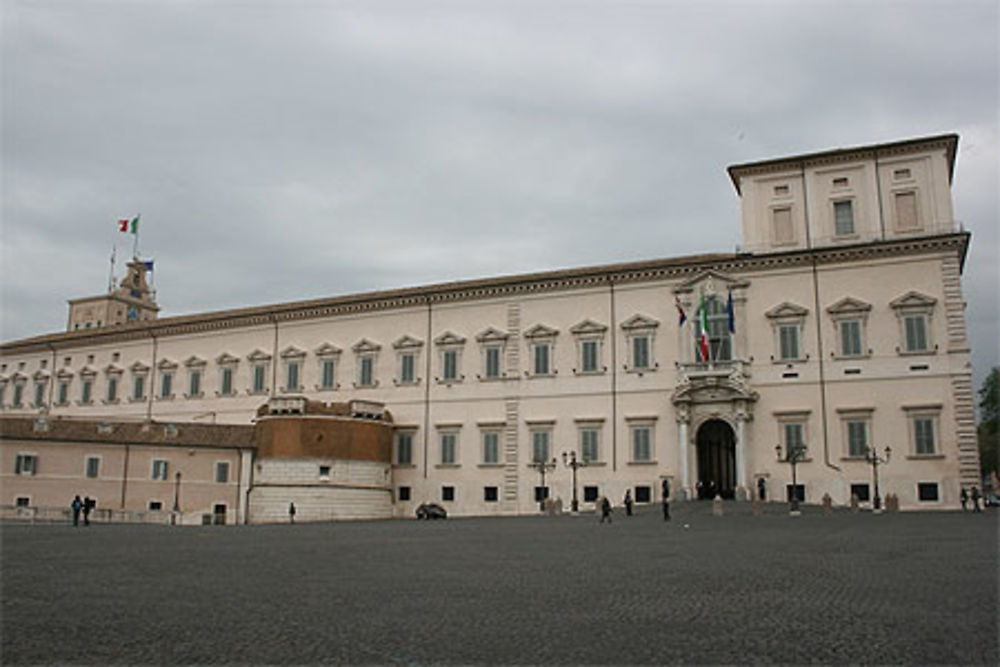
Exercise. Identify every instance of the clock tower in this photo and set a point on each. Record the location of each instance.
(133, 300)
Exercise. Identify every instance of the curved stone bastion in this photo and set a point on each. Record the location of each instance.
(331, 460)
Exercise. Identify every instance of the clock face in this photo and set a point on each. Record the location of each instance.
(133, 313)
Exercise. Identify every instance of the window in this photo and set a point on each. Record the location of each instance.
(927, 492)
(780, 190)
(542, 353)
(794, 436)
(407, 368)
(492, 343)
(849, 318)
(901, 174)
(450, 363)
(22, 501)
(642, 443)
(843, 217)
(403, 493)
(906, 211)
(850, 338)
(541, 341)
(640, 352)
(923, 430)
(292, 376)
(799, 491)
(857, 438)
(366, 373)
(327, 374)
(222, 472)
(26, 464)
(639, 338)
(404, 447)
(155, 506)
(324, 472)
(492, 370)
(86, 391)
(166, 385)
(491, 447)
(18, 395)
(260, 365)
(720, 344)
(541, 445)
(112, 394)
(63, 392)
(491, 494)
(259, 378)
(916, 333)
(590, 444)
(226, 382)
(781, 225)
(449, 448)
(39, 394)
(160, 469)
(840, 182)
(590, 494)
(448, 494)
(449, 349)
(788, 335)
(93, 466)
(194, 383)
(862, 492)
(643, 494)
(590, 356)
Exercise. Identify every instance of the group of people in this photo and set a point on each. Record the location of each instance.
(604, 504)
(85, 506)
(973, 495)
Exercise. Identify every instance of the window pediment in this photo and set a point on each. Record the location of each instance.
(139, 367)
(849, 306)
(166, 365)
(365, 345)
(40, 375)
(710, 282)
(639, 323)
(787, 310)
(327, 350)
(64, 374)
(226, 359)
(407, 342)
(541, 331)
(492, 335)
(292, 352)
(258, 355)
(449, 338)
(914, 302)
(194, 362)
(588, 327)
(86, 371)
(112, 369)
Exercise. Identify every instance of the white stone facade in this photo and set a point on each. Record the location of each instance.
(849, 331)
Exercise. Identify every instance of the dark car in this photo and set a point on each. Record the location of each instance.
(431, 511)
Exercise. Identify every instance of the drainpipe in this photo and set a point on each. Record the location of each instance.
(125, 476)
(427, 385)
(52, 380)
(152, 379)
(614, 380)
(274, 360)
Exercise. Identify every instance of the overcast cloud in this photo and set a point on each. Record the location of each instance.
(287, 150)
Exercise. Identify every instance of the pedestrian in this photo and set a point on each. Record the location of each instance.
(76, 506)
(88, 505)
(964, 497)
(628, 503)
(666, 500)
(975, 499)
(291, 512)
(761, 489)
(605, 509)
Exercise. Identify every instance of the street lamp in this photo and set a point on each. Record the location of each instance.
(543, 467)
(872, 457)
(177, 496)
(570, 461)
(794, 454)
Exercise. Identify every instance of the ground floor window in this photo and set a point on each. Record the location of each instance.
(861, 491)
(541, 493)
(155, 506)
(219, 514)
(590, 494)
(22, 501)
(643, 494)
(403, 493)
(927, 491)
(490, 494)
(448, 493)
(798, 489)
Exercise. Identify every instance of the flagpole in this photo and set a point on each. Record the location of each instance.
(135, 238)
(111, 274)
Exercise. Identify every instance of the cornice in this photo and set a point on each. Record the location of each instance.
(672, 269)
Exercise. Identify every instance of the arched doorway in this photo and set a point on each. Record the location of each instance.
(716, 460)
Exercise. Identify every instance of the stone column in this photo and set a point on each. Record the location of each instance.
(742, 489)
(683, 418)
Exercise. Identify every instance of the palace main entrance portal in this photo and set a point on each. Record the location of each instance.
(716, 460)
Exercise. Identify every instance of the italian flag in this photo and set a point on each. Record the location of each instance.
(703, 328)
(129, 226)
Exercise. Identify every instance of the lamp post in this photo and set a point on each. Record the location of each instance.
(177, 496)
(570, 461)
(543, 467)
(794, 454)
(871, 455)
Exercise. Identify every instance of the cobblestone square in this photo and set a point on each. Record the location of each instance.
(848, 588)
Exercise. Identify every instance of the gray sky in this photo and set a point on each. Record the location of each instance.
(286, 150)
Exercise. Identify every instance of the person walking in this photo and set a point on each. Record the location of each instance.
(76, 506)
(964, 497)
(88, 505)
(975, 499)
(628, 503)
(666, 500)
(291, 512)
(605, 509)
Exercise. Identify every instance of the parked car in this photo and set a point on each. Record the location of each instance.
(431, 511)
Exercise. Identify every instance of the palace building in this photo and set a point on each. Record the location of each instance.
(838, 332)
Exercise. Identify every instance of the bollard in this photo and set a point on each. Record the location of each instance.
(854, 503)
(717, 506)
(757, 507)
(827, 504)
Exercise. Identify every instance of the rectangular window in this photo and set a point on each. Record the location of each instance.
(590, 494)
(789, 341)
(166, 385)
(39, 395)
(227, 382)
(589, 356)
(843, 217)
(403, 493)
(112, 389)
(643, 494)
(491, 494)
(541, 493)
(641, 443)
(26, 464)
(155, 506)
(292, 377)
(404, 448)
(18, 395)
(540, 441)
(862, 492)
(367, 374)
(450, 361)
(138, 387)
(449, 448)
(407, 366)
(927, 491)
(493, 362)
(63, 392)
(906, 211)
(93, 466)
(86, 391)
(22, 501)
(448, 493)
(160, 469)
(542, 362)
(491, 447)
(324, 472)
(194, 383)
(640, 352)
(923, 435)
(259, 378)
(850, 338)
(794, 438)
(222, 472)
(799, 490)
(916, 333)
(857, 438)
(326, 381)
(782, 221)
(590, 444)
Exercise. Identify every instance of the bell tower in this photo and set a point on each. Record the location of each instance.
(133, 300)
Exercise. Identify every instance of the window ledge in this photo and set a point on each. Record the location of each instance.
(498, 378)
(594, 464)
(320, 387)
(403, 466)
(446, 466)
(201, 395)
(642, 463)
(859, 459)
(598, 372)
(166, 398)
(133, 399)
(539, 376)
(642, 371)
(490, 465)
(917, 353)
(925, 457)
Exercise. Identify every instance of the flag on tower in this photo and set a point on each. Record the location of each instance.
(129, 226)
